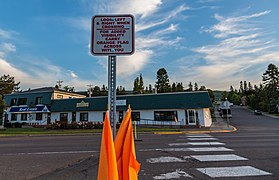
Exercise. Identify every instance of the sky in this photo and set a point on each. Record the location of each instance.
(215, 43)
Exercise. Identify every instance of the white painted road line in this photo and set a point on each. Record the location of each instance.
(202, 139)
(222, 157)
(205, 149)
(210, 149)
(206, 143)
(175, 149)
(173, 175)
(237, 171)
(49, 153)
(198, 135)
(167, 159)
(197, 144)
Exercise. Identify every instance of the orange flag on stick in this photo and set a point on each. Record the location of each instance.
(127, 164)
(107, 163)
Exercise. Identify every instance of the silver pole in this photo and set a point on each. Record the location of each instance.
(112, 91)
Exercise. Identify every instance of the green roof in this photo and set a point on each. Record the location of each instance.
(183, 100)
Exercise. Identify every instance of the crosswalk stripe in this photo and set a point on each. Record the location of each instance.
(221, 157)
(173, 175)
(167, 159)
(196, 143)
(237, 171)
(210, 149)
(198, 135)
(202, 139)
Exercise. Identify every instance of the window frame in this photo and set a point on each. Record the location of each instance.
(165, 115)
(84, 117)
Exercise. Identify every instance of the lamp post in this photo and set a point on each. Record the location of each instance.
(227, 108)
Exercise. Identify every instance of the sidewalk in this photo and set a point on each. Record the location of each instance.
(220, 125)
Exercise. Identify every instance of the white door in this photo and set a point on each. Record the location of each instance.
(191, 116)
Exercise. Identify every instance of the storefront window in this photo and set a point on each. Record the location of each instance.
(83, 116)
(14, 117)
(136, 116)
(165, 115)
(39, 116)
(23, 117)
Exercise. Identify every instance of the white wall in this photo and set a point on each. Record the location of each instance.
(147, 116)
(207, 117)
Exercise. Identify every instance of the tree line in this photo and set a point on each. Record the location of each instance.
(264, 96)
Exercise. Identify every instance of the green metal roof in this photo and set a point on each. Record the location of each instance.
(31, 97)
(183, 100)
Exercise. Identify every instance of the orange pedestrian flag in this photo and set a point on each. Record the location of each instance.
(127, 164)
(107, 162)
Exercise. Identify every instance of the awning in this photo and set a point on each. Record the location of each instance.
(29, 109)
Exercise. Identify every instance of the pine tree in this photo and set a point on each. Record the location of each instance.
(162, 83)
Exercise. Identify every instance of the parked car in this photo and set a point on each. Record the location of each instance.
(257, 112)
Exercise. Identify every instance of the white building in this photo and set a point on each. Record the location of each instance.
(41, 107)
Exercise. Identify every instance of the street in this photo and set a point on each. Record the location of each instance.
(252, 152)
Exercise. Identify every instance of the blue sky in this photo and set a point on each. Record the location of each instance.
(216, 43)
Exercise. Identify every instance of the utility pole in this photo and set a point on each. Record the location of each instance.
(90, 89)
(59, 84)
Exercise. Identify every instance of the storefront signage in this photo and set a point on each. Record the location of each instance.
(30, 109)
(120, 102)
(82, 104)
(112, 35)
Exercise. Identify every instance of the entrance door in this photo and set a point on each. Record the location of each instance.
(191, 117)
(63, 117)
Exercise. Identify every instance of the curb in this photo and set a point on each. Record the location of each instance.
(234, 129)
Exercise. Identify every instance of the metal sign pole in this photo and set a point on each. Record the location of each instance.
(112, 92)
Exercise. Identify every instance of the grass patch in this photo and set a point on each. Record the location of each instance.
(42, 131)
(33, 131)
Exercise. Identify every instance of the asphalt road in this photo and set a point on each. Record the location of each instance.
(250, 153)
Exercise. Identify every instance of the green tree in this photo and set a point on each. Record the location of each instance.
(202, 88)
(196, 87)
(69, 88)
(8, 84)
(211, 95)
(179, 87)
(173, 87)
(162, 83)
(271, 81)
(138, 85)
(190, 87)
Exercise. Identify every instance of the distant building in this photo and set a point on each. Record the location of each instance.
(33, 106)
(43, 107)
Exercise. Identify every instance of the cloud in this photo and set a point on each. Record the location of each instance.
(6, 34)
(242, 52)
(141, 8)
(8, 47)
(234, 25)
(73, 74)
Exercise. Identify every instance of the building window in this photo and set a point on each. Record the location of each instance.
(22, 101)
(165, 115)
(39, 100)
(73, 116)
(63, 117)
(13, 102)
(135, 116)
(14, 117)
(83, 117)
(23, 117)
(59, 96)
(39, 116)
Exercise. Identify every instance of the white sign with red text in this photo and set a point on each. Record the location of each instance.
(112, 35)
